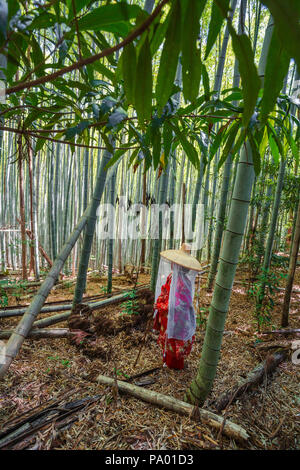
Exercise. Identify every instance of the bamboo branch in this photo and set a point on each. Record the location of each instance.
(65, 142)
(89, 60)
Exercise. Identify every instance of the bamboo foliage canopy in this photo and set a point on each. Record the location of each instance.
(110, 84)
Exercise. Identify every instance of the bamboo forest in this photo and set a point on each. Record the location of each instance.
(149, 227)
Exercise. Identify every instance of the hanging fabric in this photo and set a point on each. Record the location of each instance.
(174, 315)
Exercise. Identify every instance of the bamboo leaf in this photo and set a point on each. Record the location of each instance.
(293, 144)
(255, 154)
(276, 69)
(159, 35)
(286, 15)
(191, 61)
(167, 140)
(78, 5)
(205, 81)
(40, 144)
(230, 138)
(264, 142)
(113, 18)
(133, 157)
(117, 155)
(143, 92)
(44, 20)
(193, 106)
(273, 145)
(219, 11)
(239, 142)
(274, 140)
(189, 149)
(274, 148)
(249, 76)
(103, 70)
(169, 57)
(128, 68)
(156, 145)
(13, 8)
(216, 143)
(37, 55)
(72, 131)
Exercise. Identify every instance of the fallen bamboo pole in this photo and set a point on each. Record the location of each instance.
(87, 299)
(60, 317)
(282, 332)
(59, 308)
(41, 333)
(19, 312)
(230, 429)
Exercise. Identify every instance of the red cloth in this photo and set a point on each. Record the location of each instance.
(174, 350)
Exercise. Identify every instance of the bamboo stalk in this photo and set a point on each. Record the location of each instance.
(22, 210)
(291, 272)
(90, 229)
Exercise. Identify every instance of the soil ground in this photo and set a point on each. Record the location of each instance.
(47, 369)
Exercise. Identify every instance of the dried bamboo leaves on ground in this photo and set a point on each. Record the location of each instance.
(46, 370)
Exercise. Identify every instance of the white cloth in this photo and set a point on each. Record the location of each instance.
(181, 315)
(165, 268)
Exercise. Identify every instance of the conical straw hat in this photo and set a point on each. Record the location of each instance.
(182, 257)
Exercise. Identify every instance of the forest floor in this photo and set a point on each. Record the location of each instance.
(49, 368)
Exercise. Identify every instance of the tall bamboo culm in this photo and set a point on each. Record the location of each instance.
(229, 257)
(90, 229)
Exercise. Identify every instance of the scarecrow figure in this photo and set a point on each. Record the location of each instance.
(174, 315)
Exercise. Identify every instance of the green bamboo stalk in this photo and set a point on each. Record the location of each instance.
(291, 272)
(233, 235)
(203, 382)
(85, 178)
(158, 241)
(90, 229)
(111, 231)
(22, 208)
(226, 177)
(162, 197)
(264, 222)
(271, 235)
